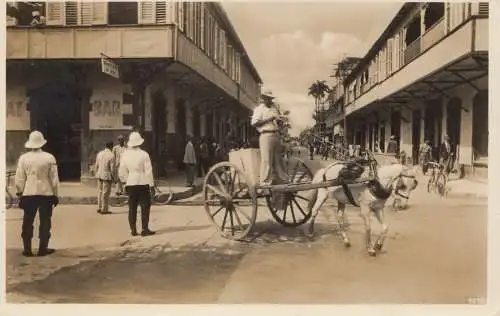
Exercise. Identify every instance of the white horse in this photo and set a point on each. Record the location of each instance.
(369, 197)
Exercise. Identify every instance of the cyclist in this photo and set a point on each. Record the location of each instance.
(446, 155)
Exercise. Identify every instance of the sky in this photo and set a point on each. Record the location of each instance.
(293, 44)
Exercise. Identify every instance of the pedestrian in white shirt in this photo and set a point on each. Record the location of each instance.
(136, 172)
(37, 185)
(190, 161)
(104, 170)
(118, 152)
(265, 119)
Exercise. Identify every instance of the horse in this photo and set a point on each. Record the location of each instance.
(370, 197)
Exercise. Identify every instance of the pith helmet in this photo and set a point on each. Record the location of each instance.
(135, 139)
(35, 140)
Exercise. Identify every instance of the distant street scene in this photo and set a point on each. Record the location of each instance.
(246, 152)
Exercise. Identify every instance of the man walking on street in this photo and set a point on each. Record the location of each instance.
(136, 171)
(104, 170)
(446, 154)
(392, 146)
(118, 152)
(190, 161)
(265, 119)
(37, 185)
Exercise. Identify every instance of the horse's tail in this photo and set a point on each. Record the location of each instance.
(314, 196)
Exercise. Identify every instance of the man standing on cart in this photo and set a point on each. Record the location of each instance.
(265, 119)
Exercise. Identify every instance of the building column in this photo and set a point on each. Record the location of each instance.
(189, 117)
(422, 124)
(444, 118)
(406, 132)
(466, 146)
(169, 95)
(203, 122)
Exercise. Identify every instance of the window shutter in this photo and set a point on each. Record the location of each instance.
(72, 12)
(86, 13)
(56, 13)
(100, 13)
(202, 26)
(180, 15)
(216, 43)
(161, 12)
(146, 12)
(484, 8)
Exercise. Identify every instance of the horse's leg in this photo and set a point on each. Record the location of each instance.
(379, 243)
(321, 197)
(365, 216)
(341, 223)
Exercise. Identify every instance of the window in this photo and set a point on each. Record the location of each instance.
(123, 13)
(202, 26)
(222, 49)
(216, 42)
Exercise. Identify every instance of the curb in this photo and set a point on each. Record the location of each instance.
(92, 200)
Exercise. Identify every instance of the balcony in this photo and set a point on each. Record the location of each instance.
(441, 49)
(90, 42)
(433, 34)
(412, 51)
(193, 57)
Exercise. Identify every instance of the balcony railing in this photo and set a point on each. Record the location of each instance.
(412, 51)
(433, 34)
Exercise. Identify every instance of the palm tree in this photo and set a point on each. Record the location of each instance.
(318, 91)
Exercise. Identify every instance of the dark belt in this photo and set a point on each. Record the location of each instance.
(268, 132)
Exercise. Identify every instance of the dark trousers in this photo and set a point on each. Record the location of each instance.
(190, 170)
(32, 204)
(138, 195)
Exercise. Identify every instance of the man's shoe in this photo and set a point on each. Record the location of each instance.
(106, 213)
(134, 233)
(147, 233)
(45, 252)
(27, 253)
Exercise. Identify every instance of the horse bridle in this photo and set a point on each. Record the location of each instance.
(373, 166)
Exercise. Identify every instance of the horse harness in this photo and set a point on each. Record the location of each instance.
(353, 170)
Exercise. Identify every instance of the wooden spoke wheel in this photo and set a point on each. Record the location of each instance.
(230, 201)
(291, 209)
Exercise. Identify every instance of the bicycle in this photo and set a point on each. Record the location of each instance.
(158, 198)
(437, 180)
(9, 197)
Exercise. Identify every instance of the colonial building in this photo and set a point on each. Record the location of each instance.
(334, 120)
(425, 76)
(93, 70)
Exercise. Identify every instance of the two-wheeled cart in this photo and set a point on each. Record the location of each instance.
(231, 193)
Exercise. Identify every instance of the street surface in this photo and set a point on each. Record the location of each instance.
(435, 253)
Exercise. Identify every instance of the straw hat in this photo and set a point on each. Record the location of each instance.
(35, 140)
(135, 140)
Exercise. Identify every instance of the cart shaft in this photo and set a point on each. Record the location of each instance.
(295, 187)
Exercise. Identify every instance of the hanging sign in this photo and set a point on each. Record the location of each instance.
(109, 67)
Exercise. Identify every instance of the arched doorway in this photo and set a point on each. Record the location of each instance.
(480, 125)
(453, 121)
(56, 111)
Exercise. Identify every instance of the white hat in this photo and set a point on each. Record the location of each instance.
(35, 140)
(267, 94)
(135, 139)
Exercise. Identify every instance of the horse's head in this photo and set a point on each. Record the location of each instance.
(405, 183)
(399, 179)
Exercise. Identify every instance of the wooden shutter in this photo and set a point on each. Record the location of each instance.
(86, 13)
(56, 13)
(216, 43)
(100, 13)
(202, 26)
(72, 12)
(161, 12)
(484, 8)
(146, 12)
(222, 49)
(180, 15)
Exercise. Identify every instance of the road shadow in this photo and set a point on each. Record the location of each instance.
(168, 230)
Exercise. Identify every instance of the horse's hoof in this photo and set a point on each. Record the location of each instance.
(372, 252)
(347, 244)
(378, 247)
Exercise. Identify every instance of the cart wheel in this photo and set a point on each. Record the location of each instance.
(225, 190)
(441, 184)
(295, 210)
